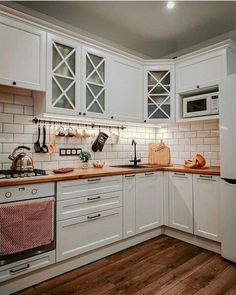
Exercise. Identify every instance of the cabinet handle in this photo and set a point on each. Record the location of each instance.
(94, 198)
(179, 174)
(95, 179)
(20, 269)
(207, 177)
(129, 176)
(149, 173)
(93, 217)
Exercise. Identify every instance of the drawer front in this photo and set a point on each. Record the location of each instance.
(88, 205)
(28, 191)
(86, 187)
(22, 267)
(81, 234)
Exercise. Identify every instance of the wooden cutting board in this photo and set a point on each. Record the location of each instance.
(159, 153)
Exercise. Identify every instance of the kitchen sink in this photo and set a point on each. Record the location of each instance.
(141, 166)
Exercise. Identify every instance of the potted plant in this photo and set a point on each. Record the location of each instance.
(85, 157)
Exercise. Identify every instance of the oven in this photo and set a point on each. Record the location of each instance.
(27, 221)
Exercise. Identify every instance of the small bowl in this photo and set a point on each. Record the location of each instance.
(98, 164)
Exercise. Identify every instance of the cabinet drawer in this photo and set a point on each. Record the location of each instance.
(88, 204)
(87, 187)
(81, 234)
(15, 269)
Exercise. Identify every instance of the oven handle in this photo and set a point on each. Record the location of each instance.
(20, 269)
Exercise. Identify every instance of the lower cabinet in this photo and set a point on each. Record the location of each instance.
(206, 190)
(181, 201)
(149, 201)
(85, 233)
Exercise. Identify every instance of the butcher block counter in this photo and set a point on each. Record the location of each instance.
(105, 171)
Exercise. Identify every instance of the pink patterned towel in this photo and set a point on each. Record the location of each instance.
(25, 225)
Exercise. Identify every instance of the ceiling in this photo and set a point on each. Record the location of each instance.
(147, 27)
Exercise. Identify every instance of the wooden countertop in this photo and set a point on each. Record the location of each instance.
(105, 171)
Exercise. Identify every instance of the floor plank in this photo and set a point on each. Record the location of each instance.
(159, 266)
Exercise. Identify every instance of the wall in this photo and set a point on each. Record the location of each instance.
(16, 113)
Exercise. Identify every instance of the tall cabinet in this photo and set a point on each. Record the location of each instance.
(159, 105)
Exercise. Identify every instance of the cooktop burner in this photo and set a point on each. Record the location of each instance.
(7, 174)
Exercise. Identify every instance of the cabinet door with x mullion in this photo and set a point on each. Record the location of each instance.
(64, 71)
(94, 83)
(159, 97)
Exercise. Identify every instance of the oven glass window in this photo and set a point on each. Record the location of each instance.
(196, 105)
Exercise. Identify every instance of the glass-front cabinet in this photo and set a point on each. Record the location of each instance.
(94, 82)
(64, 71)
(159, 94)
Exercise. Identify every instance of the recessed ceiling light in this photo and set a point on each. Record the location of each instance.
(170, 4)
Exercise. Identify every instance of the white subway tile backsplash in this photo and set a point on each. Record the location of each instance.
(184, 139)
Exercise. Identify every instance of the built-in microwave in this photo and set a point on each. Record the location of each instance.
(201, 105)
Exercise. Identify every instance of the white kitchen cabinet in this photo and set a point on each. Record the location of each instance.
(81, 234)
(63, 75)
(181, 201)
(125, 90)
(94, 83)
(149, 201)
(159, 103)
(129, 196)
(206, 191)
(22, 55)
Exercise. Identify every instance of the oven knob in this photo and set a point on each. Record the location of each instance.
(34, 191)
(8, 194)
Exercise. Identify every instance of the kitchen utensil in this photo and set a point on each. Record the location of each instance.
(63, 170)
(21, 162)
(85, 133)
(114, 138)
(37, 143)
(99, 142)
(44, 147)
(159, 154)
(70, 132)
(50, 145)
(60, 131)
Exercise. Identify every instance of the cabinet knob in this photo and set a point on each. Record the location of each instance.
(80, 113)
(145, 121)
(84, 114)
(13, 83)
(112, 117)
(198, 86)
(8, 194)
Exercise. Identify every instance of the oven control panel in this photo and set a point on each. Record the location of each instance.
(26, 192)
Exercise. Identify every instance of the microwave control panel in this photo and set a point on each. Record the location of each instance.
(215, 104)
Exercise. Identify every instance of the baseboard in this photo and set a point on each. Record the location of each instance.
(54, 270)
(191, 239)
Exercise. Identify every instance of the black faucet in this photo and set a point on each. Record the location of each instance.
(135, 160)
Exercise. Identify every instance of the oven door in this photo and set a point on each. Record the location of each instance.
(27, 228)
(195, 106)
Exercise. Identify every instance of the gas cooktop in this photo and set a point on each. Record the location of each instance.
(7, 174)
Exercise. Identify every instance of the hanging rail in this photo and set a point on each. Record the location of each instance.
(93, 125)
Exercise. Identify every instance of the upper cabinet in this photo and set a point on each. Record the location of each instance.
(159, 104)
(94, 83)
(63, 74)
(126, 89)
(22, 55)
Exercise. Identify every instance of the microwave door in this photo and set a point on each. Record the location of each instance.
(195, 107)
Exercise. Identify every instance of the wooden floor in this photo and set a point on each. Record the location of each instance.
(159, 266)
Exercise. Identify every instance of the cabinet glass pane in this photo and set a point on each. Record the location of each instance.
(95, 83)
(158, 100)
(63, 76)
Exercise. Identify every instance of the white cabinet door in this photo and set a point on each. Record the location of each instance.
(63, 75)
(181, 201)
(198, 72)
(125, 90)
(129, 195)
(206, 191)
(159, 103)
(22, 55)
(94, 83)
(81, 234)
(149, 201)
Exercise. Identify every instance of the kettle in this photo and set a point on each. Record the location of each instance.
(21, 162)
